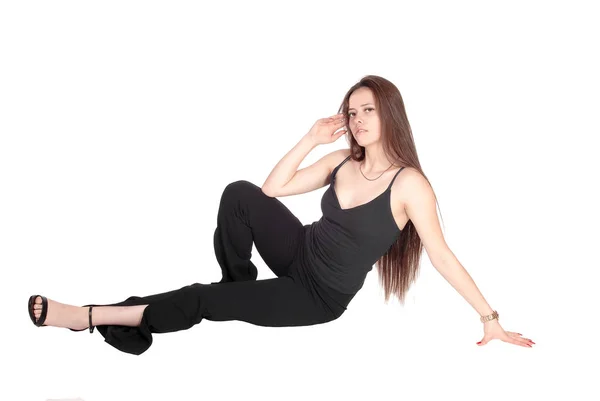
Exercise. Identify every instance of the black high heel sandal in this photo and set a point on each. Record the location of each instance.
(42, 319)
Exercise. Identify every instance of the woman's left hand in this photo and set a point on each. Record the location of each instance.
(493, 330)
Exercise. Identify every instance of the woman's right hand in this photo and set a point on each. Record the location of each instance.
(322, 132)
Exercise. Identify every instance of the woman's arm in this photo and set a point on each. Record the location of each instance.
(421, 210)
(285, 169)
(285, 179)
(455, 274)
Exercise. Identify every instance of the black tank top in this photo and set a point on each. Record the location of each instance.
(344, 244)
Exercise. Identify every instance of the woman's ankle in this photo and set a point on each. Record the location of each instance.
(117, 315)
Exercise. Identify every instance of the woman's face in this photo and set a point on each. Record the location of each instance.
(362, 115)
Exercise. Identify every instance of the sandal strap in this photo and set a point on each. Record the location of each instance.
(42, 318)
(90, 319)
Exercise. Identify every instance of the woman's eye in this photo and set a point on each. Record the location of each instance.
(368, 108)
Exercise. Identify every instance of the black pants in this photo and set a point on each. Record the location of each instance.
(294, 298)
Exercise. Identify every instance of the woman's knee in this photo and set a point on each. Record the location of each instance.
(239, 187)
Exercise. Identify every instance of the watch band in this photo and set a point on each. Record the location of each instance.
(490, 317)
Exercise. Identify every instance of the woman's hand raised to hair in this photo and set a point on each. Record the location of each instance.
(324, 130)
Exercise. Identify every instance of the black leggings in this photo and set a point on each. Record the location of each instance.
(294, 298)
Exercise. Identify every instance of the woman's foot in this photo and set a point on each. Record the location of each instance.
(61, 315)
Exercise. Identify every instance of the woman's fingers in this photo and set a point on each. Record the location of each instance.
(335, 117)
(519, 336)
(337, 122)
(514, 340)
(524, 342)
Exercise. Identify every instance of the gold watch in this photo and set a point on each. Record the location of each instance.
(490, 317)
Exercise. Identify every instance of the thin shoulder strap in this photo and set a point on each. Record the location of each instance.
(396, 175)
(338, 166)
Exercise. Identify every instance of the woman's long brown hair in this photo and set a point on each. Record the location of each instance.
(399, 267)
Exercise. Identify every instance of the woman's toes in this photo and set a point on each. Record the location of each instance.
(37, 308)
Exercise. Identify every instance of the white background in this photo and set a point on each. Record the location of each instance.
(121, 123)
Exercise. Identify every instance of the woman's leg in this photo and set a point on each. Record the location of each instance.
(276, 302)
(282, 301)
(247, 215)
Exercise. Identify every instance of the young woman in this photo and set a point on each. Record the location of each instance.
(379, 209)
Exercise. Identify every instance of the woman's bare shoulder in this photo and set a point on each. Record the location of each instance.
(340, 154)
